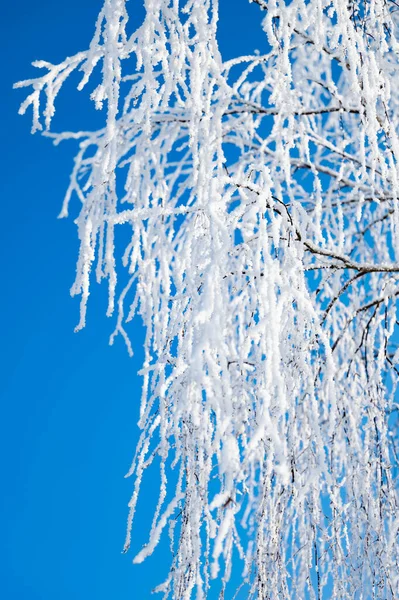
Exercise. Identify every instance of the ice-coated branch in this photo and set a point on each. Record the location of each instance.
(261, 199)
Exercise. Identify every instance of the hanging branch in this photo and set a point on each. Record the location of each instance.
(262, 199)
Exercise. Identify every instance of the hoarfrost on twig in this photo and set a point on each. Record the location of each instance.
(262, 199)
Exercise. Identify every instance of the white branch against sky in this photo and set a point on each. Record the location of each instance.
(261, 197)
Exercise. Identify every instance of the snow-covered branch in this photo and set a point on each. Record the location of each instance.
(262, 200)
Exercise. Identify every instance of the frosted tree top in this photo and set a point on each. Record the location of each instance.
(261, 199)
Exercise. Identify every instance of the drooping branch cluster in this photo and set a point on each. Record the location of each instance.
(261, 195)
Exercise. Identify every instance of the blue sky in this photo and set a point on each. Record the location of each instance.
(69, 402)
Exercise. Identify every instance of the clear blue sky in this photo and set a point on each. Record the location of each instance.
(69, 402)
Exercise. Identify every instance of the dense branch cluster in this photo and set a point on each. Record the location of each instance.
(261, 196)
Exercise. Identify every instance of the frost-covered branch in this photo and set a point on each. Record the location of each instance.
(261, 199)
